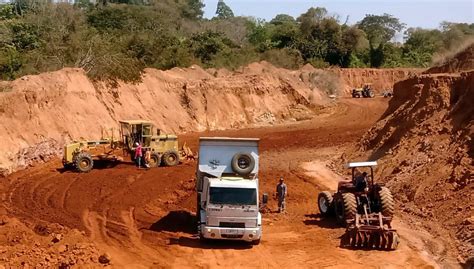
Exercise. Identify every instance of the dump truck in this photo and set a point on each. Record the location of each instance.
(227, 189)
(364, 207)
(80, 155)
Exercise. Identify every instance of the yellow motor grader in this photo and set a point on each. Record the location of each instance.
(80, 155)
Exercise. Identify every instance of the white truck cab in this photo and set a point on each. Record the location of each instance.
(227, 188)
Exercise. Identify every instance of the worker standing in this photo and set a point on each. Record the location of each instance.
(138, 154)
(281, 193)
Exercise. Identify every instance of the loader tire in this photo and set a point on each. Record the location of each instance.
(386, 202)
(171, 158)
(325, 203)
(346, 208)
(83, 162)
(243, 163)
(155, 160)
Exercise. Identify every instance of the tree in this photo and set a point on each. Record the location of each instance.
(223, 10)
(193, 9)
(380, 29)
(311, 18)
(282, 19)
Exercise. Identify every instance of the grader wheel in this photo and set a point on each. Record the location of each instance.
(83, 162)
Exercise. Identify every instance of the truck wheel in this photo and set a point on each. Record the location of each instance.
(243, 163)
(325, 203)
(83, 162)
(256, 242)
(154, 160)
(386, 202)
(346, 207)
(171, 158)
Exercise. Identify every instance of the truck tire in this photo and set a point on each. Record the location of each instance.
(243, 163)
(325, 203)
(83, 162)
(346, 207)
(171, 158)
(386, 202)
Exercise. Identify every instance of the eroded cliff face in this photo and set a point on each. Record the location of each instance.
(425, 146)
(42, 112)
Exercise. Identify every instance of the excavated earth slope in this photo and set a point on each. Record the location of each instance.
(42, 112)
(425, 145)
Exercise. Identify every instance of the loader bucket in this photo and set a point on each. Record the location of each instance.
(372, 231)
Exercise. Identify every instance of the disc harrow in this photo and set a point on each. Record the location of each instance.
(372, 231)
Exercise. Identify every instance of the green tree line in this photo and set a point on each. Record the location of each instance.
(117, 39)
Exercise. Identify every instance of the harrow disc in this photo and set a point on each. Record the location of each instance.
(370, 239)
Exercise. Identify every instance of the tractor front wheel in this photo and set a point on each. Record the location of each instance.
(83, 162)
(325, 203)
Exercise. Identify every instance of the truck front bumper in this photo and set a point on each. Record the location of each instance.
(242, 234)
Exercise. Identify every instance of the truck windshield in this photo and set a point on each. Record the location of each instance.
(233, 196)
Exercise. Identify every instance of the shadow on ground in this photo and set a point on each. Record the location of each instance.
(176, 221)
(321, 221)
(195, 242)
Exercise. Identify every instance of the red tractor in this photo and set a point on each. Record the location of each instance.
(364, 207)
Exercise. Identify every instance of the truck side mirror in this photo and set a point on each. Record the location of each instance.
(265, 198)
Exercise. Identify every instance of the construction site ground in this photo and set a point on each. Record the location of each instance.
(146, 218)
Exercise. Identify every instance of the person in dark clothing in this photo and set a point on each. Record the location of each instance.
(361, 182)
(281, 193)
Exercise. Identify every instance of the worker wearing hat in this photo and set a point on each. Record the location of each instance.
(281, 195)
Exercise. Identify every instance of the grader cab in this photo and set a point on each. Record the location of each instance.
(163, 147)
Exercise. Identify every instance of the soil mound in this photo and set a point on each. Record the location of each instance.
(425, 146)
(462, 61)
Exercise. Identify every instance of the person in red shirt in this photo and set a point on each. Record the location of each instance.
(138, 154)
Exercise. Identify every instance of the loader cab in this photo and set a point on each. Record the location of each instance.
(136, 131)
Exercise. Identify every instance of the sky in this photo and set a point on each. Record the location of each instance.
(414, 13)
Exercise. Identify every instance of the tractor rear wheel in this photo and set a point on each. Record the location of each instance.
(154, 160)
(171, 158)
(386, 202)
(325, 203)
(346, 207)
(83, 162)
(370, 94)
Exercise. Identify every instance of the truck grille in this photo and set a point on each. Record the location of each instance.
(232, 224)
(232, 235)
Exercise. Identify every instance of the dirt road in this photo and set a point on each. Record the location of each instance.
(146, 218)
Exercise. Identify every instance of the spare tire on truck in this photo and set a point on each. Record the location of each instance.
(243, 163)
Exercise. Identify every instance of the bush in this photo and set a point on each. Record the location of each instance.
(285, 58)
